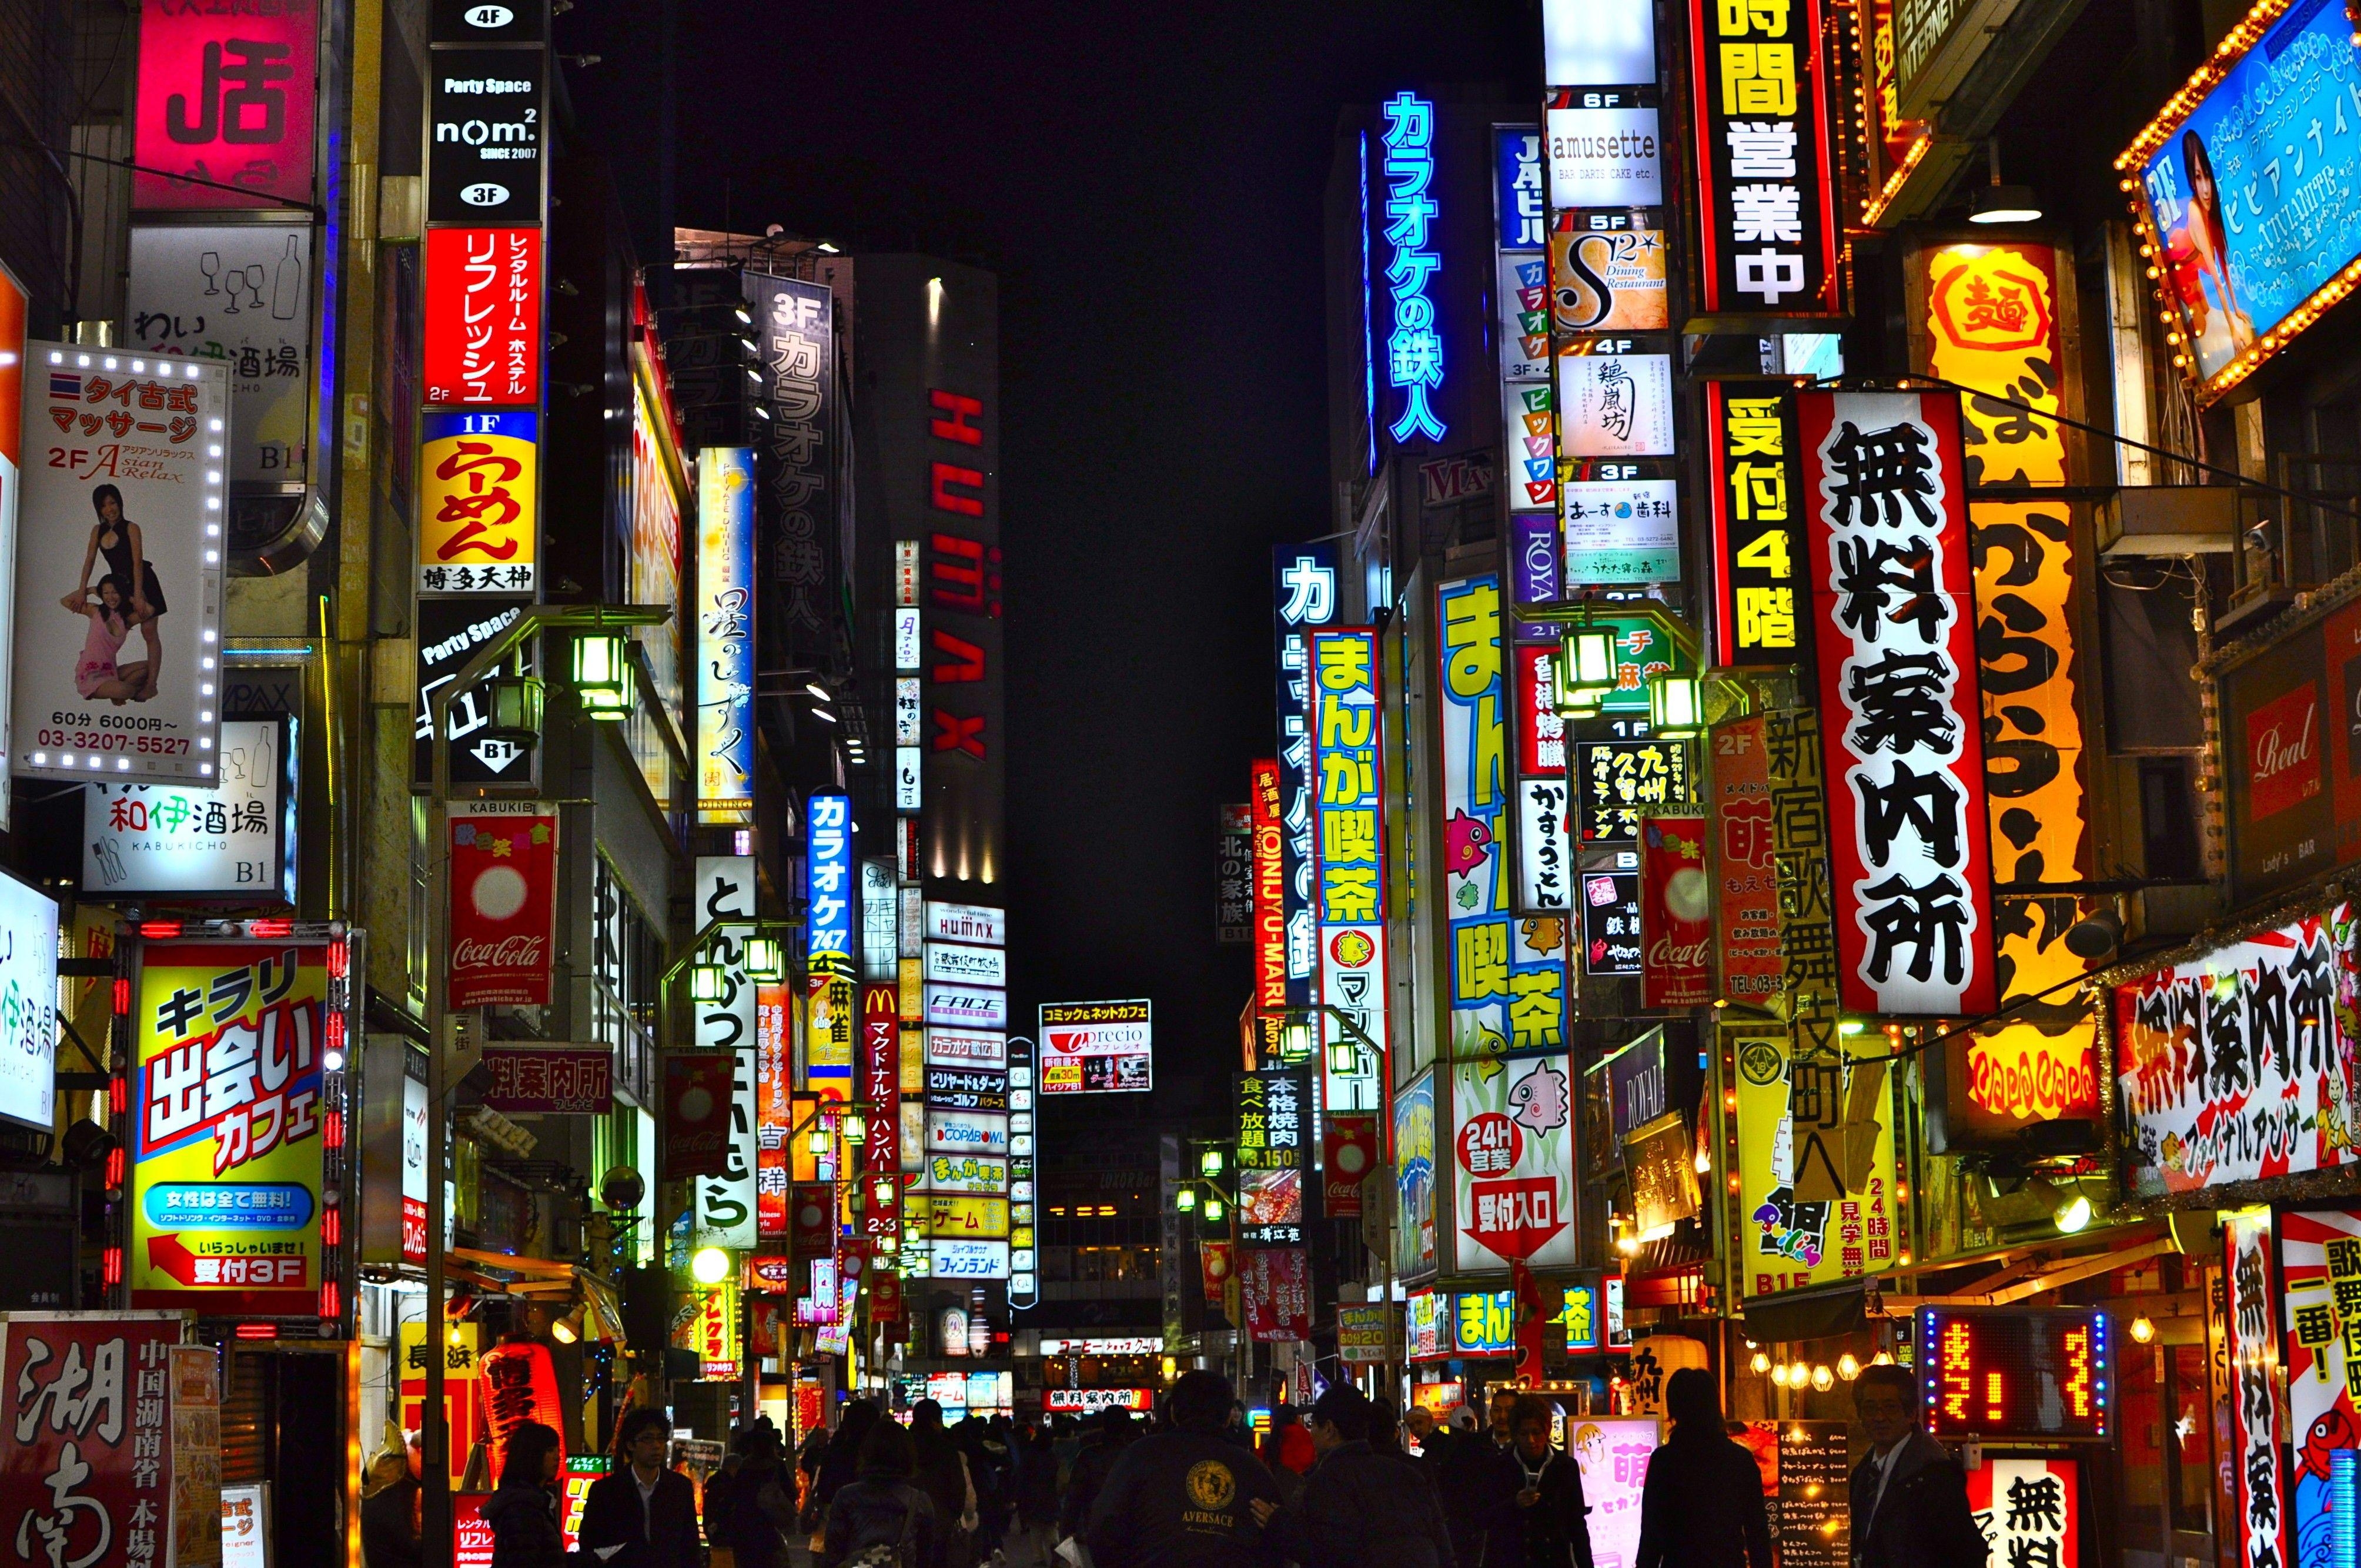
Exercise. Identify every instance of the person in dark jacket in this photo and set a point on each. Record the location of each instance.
(1183, 1497)
(1477, 1481)
(988, 1471)
(1702, 1505)
(879, 1507)
(644, 1515)
(1094, 1462)
(1546, 1510)
(762, 1509)
(1359, 1509)
(941, 1474)
(389, 1514)
(523, 1511)
(1037, 1489)
(1288, 1452)
(1909, 1495)
(842, 1457)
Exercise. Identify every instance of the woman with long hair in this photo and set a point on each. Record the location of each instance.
(2209, 240)
(119, 540)
(523, 1511)
(97, 673)
(1701, 1506)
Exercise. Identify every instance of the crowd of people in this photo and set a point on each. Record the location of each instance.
(1340, 1485)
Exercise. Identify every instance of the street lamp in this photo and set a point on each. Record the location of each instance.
(1673, 705)
(517, 703)
(1185, 1199)
(607, 623)
(707, 982)
(602, 676)
(766, 960)
(1209, 1164)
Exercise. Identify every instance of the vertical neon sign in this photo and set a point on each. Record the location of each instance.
(1414, 347)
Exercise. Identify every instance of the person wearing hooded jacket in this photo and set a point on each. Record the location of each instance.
(879, 1507)
(1182, 1497)
(1358, 1509)
(522, 1512)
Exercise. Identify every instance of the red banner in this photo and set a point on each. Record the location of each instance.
(88, 1469)
(881, 1076)
(1675, 913)
(1276, 1284)
(1348, 1151)
(227, 95)
(1745, 876)
(1541, 729)
(1216, 1261)
(483, 317)
(1901, 717)
(696, 1114)
(884, 1295)
(775, 1115)
(813, 1216)
(1269, 902)
(551, 1079)
(503, 900)
(517, 1383)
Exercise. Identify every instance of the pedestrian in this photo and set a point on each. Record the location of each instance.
(807, 1458)
(1037, 1492)
(717, 1496)
(1418, 1426)
(878, 1520)
(1094, 1462)
(1358, 1509)
(1503, 1418)
(644, 1514)
(1288, 1452)
(523, 1511)
(390, 1513)
(1182, 1497)
(842, 1458)
(941, 1474)
(1702, 1504)
(761, 1511)
(1477, 1481)
(1909, 1495)
(1546, 1510)
(987, 1466)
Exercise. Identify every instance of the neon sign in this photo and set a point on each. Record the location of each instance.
(2024, 1373)
(1414, 347)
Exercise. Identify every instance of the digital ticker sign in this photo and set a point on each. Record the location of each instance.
(2020, 1373)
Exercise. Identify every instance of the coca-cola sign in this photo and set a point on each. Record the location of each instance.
(503, 895)
(1676, 913)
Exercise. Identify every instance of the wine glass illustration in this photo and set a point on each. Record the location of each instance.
(209, 264)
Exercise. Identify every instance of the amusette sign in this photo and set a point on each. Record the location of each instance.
(1902, 727)
(1095, 1048)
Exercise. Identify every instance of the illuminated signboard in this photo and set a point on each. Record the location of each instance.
(1767, 205)
(1348, 816)
(1274, 1124)
(2037, 1372)
(2249, 189)
(479, 513)
(725, 636)
(1589, 43)
(1096, 1048)
(827, 876)
(1414, 347)
(1758, 562)
(1088, 1400)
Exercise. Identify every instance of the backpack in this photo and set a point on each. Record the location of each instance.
(899, 1553)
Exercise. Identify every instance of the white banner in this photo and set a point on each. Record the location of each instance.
(238, 294)
(724, 889)
(226, 843)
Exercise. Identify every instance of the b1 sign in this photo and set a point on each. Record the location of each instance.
(1096, 1048)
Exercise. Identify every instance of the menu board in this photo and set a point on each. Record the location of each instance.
(1815, 1512)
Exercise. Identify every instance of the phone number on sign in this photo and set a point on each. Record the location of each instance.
(105, 739)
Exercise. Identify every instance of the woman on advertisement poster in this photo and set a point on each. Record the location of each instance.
(97, 673)
(2208, 248)
(119, 539)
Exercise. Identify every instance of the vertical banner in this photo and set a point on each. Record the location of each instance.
(483, 304)
(1745, 873)
(829, 896)
(1233, 884)
(87, 1479)
(774, 1107)
(1348, 1151)
(1676, 913)
(1306, 598)
(2319, 1283)
(725, 635)
(118, 568)
(1766, 185)
(697, 1114)
(1521, 251)
(1512, 1163)
(503, 901)
(1414, 1176)
(1413, 358)
(1816, 1179)
(1274, 1149)
(2259, 1534)
(1807, 990)
(1275, 1283)
(1895, 633)
(1270, 885)
(1473, 802)
(480, 502)
(229, 1103)
(1762, 592)
(227, 95)
(1348, 815)
(881, 1077)
(724, 890)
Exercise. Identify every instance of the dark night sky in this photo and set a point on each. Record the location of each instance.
(1145, 180)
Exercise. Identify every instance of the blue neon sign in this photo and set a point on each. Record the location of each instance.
(828, 883)
(1414, 347)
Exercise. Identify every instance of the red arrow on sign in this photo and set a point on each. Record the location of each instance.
(172, 1256)
(1514, 1218)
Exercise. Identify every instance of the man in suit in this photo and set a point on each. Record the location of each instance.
(644, 1515)
(1909, 1495)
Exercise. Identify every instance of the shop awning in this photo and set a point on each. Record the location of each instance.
(1823, 1314)
(2032, 1274)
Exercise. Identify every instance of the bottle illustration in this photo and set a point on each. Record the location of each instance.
(287, 285)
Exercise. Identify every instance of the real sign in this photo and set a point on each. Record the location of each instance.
(227, 96)
(28, 1004)
(240, 294)
(725, 635)
(484, 136)
(482, 305)
(478, 502)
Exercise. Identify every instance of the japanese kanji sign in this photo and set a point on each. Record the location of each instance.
(1274, 1147)
(225, 1118)
(1348, 813)
(1895, 621)
(478, 502)
(725, 634)
(1746, 875)
(1512, 1163)
(1406, 223)
(546, 1079)
(1762, 585)
(227, 95)
(86, 1479)
(1473, 801)
(1304, 585)
(2259, 1533)
(1817, 1198)
(1767, 221)
(2030, 1511)
(482, 307)
(2320, 1286)
(1275, 1284)
(1270, 879)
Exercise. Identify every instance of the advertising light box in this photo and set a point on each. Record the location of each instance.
(1604, 150)
(29, 1010)
(2025, 1373)
(962, 964)
(1598, 43)
(232, 843)
(966, 923)
(1096, 1048)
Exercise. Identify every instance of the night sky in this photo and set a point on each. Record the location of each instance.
(1147, 182)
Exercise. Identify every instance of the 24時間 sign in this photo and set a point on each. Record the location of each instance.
(1766, 206)
(1901, 720)
(1348, 815)
(1096, 1048)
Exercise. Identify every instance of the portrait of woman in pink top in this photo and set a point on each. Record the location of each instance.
(96, 673)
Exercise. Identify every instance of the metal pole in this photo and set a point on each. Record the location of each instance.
(435, 1502)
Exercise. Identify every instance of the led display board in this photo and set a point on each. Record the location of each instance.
(2045, 1374)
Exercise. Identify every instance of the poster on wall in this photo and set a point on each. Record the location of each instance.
(118, 566)
(1893, 620)
(503, 902)
(239, 294)
(228, 1099)
(2270, 1015)
(90, 1462)
(1817, 1197)
(1512, 1163)
(226, 99)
